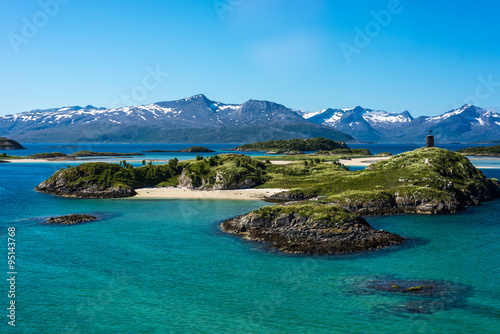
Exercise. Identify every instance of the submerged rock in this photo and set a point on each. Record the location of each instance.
(310, 229)
(423, 296)
(71, 219)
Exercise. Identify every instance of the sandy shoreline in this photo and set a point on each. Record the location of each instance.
(362, 161)
(184, 193)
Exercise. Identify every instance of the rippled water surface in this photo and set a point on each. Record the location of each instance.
(163, 266)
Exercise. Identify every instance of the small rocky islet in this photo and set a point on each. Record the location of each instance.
(324, 215)
(310, 229)
(71, 219)
(10, 144)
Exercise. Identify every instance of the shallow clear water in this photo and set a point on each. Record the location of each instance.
(163, 266)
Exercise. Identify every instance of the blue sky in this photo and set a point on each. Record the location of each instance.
(423, 56)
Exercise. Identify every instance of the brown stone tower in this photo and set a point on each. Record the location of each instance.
(429, 140)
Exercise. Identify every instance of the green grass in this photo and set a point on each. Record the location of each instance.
(107, 175)
(431, 173)
(317, 212)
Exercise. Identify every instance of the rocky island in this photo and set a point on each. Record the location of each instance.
(427, 180)
(297, 145)
(310, 228)
(192, 149)
(9, 144)
(53, 156)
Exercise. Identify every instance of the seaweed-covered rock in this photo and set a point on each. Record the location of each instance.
(311, 229)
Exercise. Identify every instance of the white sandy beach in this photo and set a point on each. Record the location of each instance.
(183, 193)
(361, 161)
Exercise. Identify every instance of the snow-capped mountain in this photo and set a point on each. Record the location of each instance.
(198, 119)
(194, 119)
(465, 124)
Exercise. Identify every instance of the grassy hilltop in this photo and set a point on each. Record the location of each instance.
(490, 151)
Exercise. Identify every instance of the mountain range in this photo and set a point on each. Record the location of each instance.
(198, 119)
(465, 124)
(191, 120)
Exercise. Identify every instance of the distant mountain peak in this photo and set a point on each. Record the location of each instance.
(159, 120)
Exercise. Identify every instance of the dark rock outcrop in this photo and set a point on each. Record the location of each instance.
(288, 230)
(70, 219)
(61, 185)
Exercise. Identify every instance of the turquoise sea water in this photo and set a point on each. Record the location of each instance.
(163, 266)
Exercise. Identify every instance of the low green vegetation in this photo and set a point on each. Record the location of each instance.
(79, 154)
(486, 151)
(314, 144)
(202, 172)
(101, 154)
(107, 175)
(314, 211)
(347, 151)
(199, 149)
(9, 144)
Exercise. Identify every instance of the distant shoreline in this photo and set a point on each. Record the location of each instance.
(111, 160)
